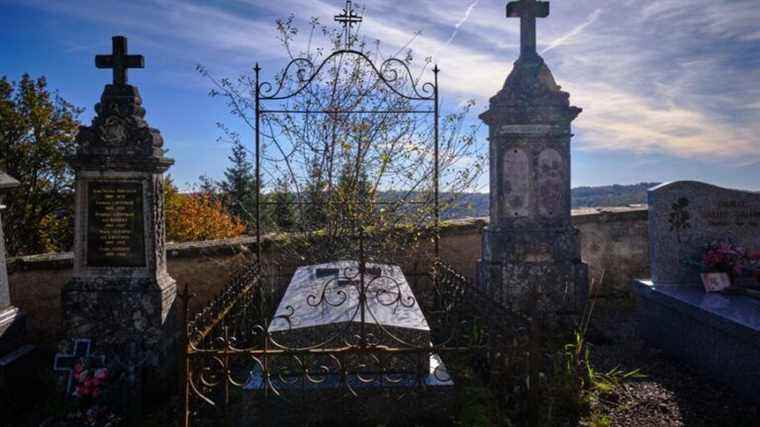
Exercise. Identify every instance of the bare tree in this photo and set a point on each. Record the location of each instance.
(352, 133)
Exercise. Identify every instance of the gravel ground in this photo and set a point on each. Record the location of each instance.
(670, 395)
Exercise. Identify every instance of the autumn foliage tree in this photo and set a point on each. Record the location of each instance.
(198, 216)
(37, 131)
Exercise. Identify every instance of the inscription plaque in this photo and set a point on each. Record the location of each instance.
(115, 228)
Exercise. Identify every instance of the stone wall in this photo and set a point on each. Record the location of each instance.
(614, 240)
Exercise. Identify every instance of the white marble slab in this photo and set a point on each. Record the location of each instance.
(341, 303)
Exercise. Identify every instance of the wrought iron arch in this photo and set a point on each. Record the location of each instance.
(390, 71)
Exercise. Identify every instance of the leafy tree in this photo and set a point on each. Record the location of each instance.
(282, 210)
(313, 216)
(192, 217)
(239, 185)
(37, 131)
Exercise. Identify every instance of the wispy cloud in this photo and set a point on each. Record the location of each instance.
(458, 25)
(679, 78)
(566, 38)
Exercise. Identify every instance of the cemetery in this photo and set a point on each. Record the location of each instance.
(372, 310)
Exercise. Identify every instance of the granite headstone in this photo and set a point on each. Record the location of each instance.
(686, 216)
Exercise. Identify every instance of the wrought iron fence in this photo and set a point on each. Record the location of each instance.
(240, 369)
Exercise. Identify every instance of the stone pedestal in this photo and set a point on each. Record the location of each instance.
(12, 324)
(121, 295)
(531, 254)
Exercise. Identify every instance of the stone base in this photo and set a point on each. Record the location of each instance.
(131, 321)
(717, 334)
(12, 329)
(554, 288)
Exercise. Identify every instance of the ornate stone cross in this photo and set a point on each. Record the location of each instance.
(348, 18)
(528, 11)
(119, 60)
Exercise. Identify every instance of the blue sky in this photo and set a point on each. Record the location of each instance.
(670, 88)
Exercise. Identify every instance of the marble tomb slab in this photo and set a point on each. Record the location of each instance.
(320, 308)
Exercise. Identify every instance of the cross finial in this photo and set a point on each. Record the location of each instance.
(119, 60)
(348, 18)
(528, 11)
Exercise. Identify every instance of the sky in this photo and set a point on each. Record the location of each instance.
(670, 88)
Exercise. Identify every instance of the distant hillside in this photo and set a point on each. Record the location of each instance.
(476, 204)
(611, 195)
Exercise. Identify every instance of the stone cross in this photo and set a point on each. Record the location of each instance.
(119, 61)
(66, 362)
(348, 18)
(528, 11)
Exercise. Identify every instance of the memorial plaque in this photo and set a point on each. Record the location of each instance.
(115, 230)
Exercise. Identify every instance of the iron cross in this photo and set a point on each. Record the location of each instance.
(119, 60)
(528, 11)
(348, 18)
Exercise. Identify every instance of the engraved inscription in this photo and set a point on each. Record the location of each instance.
(115, 231)
(730, 213)
(534, 130)
(551, 172)
(516, 183)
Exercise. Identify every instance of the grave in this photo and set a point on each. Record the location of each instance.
(11, 318)
(121, 295)
(717, 333)
(531, 254)
(321, 307)
(321, 310)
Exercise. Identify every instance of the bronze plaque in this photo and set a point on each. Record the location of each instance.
(115, 226)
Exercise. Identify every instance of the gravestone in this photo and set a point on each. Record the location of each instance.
(717, 333)
(531, 254)
(121, 295)
(12, 323)
(685, 216)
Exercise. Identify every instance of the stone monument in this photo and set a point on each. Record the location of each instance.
(121, 296)
(11, 319)
(531, 249)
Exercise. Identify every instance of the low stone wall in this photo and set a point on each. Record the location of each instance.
(614, 240)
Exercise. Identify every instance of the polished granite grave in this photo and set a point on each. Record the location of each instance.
(717, 334)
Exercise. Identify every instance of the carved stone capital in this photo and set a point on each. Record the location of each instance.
(119, 138)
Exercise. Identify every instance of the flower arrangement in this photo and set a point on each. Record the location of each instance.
(89, 381)
(732, 260)
(91, 410)
(724, 257)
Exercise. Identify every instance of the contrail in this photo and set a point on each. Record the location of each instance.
(574, 32)
(458, 25)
